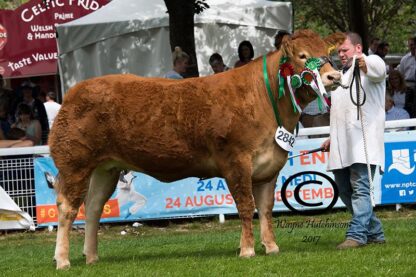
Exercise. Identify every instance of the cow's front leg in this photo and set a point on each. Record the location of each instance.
(239, 183)
(102, 185)
(264, 197)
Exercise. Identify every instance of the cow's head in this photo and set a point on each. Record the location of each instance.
(306, 44)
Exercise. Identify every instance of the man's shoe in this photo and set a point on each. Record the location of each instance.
(376, 241)
(349, 243)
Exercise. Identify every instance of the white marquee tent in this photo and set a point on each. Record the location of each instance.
(132, 36)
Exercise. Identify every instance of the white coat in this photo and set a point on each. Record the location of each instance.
(346, 134)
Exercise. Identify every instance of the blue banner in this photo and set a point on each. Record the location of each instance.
(308, 186)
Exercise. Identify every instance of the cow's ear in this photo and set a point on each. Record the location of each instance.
(334, 40)
(287, 46)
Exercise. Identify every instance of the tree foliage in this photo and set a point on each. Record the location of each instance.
(11, 4)
(390, 20)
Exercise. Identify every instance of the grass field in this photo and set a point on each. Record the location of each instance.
(204, 247)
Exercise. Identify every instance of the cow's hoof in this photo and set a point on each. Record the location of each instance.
(92, 259)
(247, 252)
(63, 264)
(272, 251)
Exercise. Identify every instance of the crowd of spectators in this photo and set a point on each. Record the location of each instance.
(25, 115)
(29, 110)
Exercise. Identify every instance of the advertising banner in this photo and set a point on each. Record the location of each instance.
(306, 185)
(27, 34)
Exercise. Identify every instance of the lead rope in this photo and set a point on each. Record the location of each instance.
(372, 197)
(350, 81)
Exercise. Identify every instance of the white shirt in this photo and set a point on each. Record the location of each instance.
(346, 134)
(52, 109)
(407, 67)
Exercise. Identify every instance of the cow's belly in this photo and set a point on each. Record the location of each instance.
(268, 162)
(166, 170)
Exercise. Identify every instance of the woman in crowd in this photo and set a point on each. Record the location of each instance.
(180, 63)
(26, 123)
(403, 96)
(245, 53)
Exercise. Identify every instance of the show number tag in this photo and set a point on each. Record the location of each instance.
(284, 139)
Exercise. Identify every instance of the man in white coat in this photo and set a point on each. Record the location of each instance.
(355, 143)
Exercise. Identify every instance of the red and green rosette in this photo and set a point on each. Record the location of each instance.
(312, 64)
(285, 70)
(295, 81)
(307, 76)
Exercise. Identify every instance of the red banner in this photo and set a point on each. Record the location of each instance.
(27, 34)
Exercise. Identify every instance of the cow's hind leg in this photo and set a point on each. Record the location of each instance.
(102, 185)
(238, 176)
(264, 197)
(70, 195)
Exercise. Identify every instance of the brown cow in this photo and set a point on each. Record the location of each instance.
(217, 126)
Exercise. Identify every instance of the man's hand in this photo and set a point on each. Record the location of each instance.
(361, 64)
(326, 145)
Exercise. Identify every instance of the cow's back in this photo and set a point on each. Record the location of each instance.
(150, 122)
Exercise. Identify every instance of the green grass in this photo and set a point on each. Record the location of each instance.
(203, 247)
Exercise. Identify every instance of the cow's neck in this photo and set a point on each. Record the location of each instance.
(288, 117)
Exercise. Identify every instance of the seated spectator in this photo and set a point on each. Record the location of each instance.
(37, 109)
(278, 38)
(52, 108)
(27, 123)
(217, 63)
(4, 122)
(403, 96)
(245, 53)
(394, 113)
(180, 63)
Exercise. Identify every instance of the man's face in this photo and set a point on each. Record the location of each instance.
(412, 46)
(347, 50)
(27, 96)
(374, 45)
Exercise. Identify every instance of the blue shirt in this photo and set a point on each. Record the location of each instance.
(396, 114)
(173, 75)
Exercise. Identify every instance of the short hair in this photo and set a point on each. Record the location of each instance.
(51, 95)
(281, 33)
(214, 58)
(178, 54)
(354, 38)
(247, 44)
